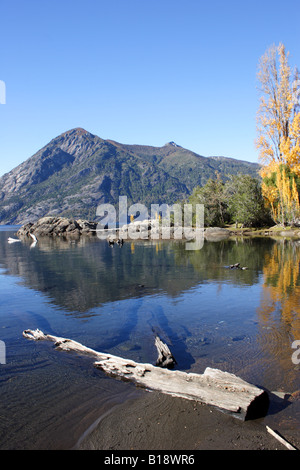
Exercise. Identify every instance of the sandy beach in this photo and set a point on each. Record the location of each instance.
(159, 422)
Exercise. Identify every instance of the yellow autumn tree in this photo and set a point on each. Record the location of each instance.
(288, 208)
(279, 134)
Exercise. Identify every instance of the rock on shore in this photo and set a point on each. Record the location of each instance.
(148, 229)
(58, 226)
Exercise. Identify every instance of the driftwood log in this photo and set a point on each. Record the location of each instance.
(214, 387)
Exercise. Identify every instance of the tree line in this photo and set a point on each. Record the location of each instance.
(239, 200)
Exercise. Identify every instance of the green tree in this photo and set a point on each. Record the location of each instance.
(245, 201)
(212, 196)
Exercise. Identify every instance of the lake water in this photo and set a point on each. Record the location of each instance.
(113, 299)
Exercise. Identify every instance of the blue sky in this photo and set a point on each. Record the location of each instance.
(138, 71)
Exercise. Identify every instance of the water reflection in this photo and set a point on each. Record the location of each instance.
(279, 310)
(281, 287)
(112, 298)
(88, 278)
(210, 261)
(79, 276)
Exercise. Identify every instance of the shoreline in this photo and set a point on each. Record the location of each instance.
(63, 227)
(160, 422)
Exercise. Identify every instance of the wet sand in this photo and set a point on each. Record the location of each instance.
(159, 422)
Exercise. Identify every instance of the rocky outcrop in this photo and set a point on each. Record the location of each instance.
(58, 226)
(138, 230)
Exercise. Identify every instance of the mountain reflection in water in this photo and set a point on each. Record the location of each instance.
(114, 299)
(79, 276)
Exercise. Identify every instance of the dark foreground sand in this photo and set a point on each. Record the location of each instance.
(160, 422)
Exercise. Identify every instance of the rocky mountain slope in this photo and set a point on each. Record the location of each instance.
(77, 171)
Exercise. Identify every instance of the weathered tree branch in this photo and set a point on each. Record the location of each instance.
(165, 357)
(214, 387)
(280, 439)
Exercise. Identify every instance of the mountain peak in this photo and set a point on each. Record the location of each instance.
(77, 142)
(173, 144)
(77, 131)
